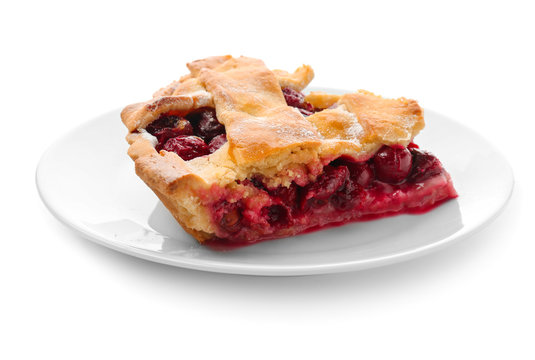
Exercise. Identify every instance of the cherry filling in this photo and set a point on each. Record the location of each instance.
(392, 164)
(346, 191)
(187, 147)
(424, 166)
(207, 126)
(197, 134)
(296, 99)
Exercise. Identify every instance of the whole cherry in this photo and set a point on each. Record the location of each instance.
(187, 147)
(392, 164)
(424, 166)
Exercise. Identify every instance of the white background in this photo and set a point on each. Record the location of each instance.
(66, 298)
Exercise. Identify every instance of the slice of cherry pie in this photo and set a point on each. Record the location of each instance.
(239, 155)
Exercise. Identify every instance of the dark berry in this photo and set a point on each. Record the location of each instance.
(424, 165)
(345, 198)
(313, 204)
(208, 126)
(228, 215)
(183, 127)
(288, 195)
(297, 99)
(217, 142)
(257, 183)
(276, 215)
(392, 164)
(162, 122)
(361, 173)
(332, 180)
(187, 147)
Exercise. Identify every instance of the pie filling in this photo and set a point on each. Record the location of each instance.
(395, 180)
(197, 134)
(346, 191)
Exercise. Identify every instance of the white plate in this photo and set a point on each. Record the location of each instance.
(88, 182)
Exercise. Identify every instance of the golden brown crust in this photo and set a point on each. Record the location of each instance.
(298, 80)
(385, 121)
(249, 101)
(139, 115)
(321, 100)
(265, 136)
(182, 216)
(211, 62)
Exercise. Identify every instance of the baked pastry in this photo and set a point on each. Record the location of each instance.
(238, 154)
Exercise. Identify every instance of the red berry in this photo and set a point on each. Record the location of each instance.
(187, 147)
(288, 195)
(361, 173)
(392, 164)
(276, 215)
(424, 166)
(332, 180)
(164, 121)
(292, 97)
(297, 99)
(217, 142)
(183, 127)
(208, 126)
(346, 198)
(228, 215)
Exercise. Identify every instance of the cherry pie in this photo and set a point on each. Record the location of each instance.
(238, 154)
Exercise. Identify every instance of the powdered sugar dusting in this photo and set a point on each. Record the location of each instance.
(279, 131)
(355, 130)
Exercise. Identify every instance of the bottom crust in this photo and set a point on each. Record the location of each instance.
(170, 204)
